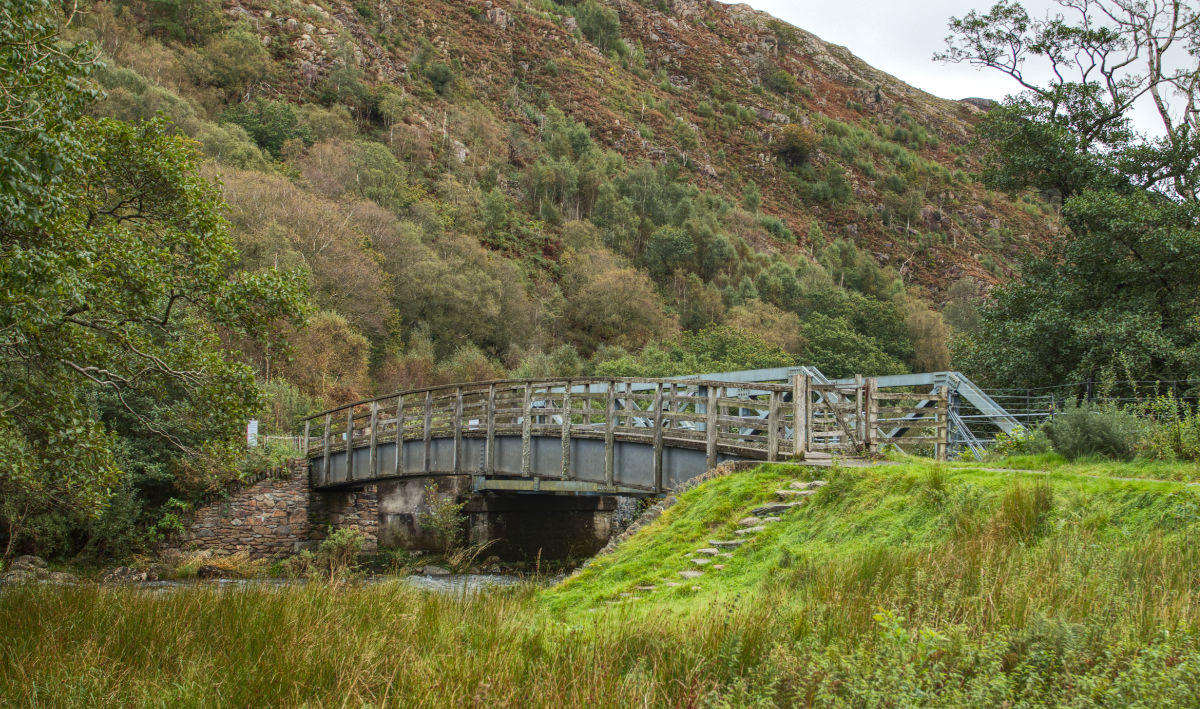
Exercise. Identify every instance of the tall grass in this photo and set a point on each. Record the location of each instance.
(906, 586)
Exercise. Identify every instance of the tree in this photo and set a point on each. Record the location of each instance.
(773, 325)
(1073, 131)
(1117, 297)
(117, 284)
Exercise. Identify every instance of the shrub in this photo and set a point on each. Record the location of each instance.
(797, 144)
(601, 26)
(336, 559)
(1101, 430)
(1021, 441)
(444, 517)
(441, 77)
(1173, 431)
(269, 123)
(781, 82)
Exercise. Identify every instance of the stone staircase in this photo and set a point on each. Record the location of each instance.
(712, 558)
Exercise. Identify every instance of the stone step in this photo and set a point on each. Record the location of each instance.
(701, 562)
(750, 530)
(691, 574)
(718, 567)
(709, 551)
(725, 555)
(648, 587)
(727, 543)
(791, 494)
(812, 485)
(749, 521)
(772, 508)
(768, 520)
(672, 584)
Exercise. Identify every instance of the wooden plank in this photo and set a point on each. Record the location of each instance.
(526, 429)
(806, 393)
(872, 445)
(905, 396)
(609, 440)
(710, 428)
(328, 430)
(307, 425)
(373, 465)
(941, 451)
(566, 431)
(658, 437)
(489, 445)
(350, 443)
(773, 428)
(859, 412)
(399, 467)
(427, 433)
(458, 426)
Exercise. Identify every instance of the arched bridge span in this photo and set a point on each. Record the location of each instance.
(606, 435)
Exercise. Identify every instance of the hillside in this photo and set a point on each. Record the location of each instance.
(543, 188)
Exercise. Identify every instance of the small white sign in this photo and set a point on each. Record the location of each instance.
(252, 433)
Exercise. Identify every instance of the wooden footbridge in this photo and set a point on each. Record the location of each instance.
(612, 436)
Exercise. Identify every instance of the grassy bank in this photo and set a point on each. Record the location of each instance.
(902, 585)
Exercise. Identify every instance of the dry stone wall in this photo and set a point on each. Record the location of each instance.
(278, 515)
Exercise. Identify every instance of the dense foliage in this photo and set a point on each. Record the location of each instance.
(1118, 298)
(116, 283)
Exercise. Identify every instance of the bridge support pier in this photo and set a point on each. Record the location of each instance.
(521, 525)
(527, 526)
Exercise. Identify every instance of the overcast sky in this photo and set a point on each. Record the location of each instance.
(900, 38)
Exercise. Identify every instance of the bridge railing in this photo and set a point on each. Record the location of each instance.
(757, 421)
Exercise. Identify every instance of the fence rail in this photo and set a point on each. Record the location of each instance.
(755, 421)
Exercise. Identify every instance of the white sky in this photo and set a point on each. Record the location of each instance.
(900, 38)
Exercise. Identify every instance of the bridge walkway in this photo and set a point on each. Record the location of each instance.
(629, 436)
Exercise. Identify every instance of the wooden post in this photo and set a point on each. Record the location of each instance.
(428, 433)
(658, 437)
(328, 429)
(489, 445)
(304, 448)
(400, 435)
(808, 412)
(859, 412)
(773, 426)
(872, 441)
(526, 430)
(566, 431)
(373, 465)
(943, 429)
(610, 417)
(800, 399)
(458, 424)
(710, 428)
(350, 443)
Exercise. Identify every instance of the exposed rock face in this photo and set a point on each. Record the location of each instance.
(126, 574)
(498, 17)
(32, 569)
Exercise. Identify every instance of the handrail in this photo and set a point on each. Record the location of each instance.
(746, 386)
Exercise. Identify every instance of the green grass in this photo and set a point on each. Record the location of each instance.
(904, 585)
(1137, 468)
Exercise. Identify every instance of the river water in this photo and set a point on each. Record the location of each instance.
(449, 584)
